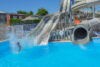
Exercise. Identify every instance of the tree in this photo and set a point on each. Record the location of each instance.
(24, 12)
(30, 13)
(21, 12)
(42, 12)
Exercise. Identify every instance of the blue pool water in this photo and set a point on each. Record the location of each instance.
(53, 55)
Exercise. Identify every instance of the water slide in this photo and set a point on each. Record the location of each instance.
(41, 33)
(43, 37)
(81, 34)
(65, 6)
(40, 26)
(84, 4)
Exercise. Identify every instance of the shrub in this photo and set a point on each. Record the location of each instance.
(33, 21)
(19, 21)
(15, 21)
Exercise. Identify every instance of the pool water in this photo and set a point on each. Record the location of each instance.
(53, 55)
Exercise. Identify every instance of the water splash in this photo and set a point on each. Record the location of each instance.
(25, 42)
(82, 47)
(13, 42)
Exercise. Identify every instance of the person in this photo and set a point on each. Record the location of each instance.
(76, 20)
(18, 44)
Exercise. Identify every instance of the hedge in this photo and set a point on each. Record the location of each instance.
(19, 21)
(13, 21)
(35, 20)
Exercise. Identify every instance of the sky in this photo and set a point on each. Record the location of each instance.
(11, 6)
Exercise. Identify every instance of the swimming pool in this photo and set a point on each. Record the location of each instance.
(54, 55)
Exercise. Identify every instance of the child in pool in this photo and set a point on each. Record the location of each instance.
(18, 44)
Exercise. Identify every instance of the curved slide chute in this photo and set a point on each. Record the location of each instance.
(82, 34)
(84, 4)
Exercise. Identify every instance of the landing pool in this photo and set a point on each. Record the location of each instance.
(63, 54)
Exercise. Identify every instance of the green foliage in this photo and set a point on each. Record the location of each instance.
(19, 21)
(42, 12)
(24, 12)
(30, 13)
(35, 21)
(15, 21)
(21, 12)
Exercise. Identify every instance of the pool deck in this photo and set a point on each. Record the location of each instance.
(63, 41)
(53, 41)
(3, 40)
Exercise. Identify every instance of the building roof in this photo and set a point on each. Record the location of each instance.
(32, 18)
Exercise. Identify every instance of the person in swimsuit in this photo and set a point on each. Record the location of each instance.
(18, 44)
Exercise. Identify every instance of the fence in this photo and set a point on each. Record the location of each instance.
(18, 30)
(59, 35)
(21, 30)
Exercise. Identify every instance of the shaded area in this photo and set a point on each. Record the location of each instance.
(80, 33)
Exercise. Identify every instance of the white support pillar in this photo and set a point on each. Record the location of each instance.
(93, 11)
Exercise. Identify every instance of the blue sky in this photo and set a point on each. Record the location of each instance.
(12, 6)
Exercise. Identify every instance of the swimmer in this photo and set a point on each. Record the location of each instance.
(18, 44)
